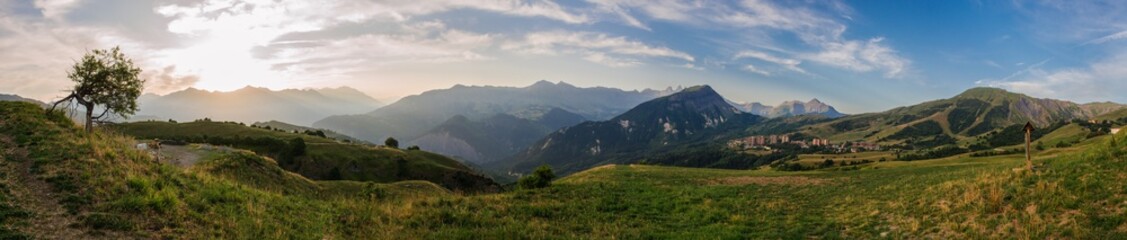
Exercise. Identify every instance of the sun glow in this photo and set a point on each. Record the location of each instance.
(224, 65)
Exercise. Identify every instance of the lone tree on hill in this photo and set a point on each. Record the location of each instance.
(104, 78)
(391, 142)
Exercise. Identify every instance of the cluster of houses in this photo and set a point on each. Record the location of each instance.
(763, 142)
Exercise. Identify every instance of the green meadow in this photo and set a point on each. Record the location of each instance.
(99, 183)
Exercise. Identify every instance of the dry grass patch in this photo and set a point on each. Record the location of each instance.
(783, 180)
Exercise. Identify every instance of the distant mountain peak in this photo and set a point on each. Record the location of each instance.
(699, 88)
(986, 93)
(545, 84)
(790, 108)
(542, 83)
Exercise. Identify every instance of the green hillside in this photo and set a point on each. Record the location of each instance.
(323, 158)
(62, 183)
(975, 112)
(106, 189)
(302, 129)
(1118, 115)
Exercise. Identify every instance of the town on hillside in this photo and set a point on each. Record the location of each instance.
(764, 142)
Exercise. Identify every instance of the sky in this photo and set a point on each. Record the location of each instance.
(859, 56)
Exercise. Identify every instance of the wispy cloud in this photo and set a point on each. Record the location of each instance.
(592, 46)
(790, 64)
(862, 56)
(752, 68)
(1103, 80)
(1112, 37)
(821, 32)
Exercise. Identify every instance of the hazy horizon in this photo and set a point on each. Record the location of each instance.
(858, 56)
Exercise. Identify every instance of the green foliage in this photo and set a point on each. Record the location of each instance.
(106, 78)
(391, 142)
(355, 161)
(923, 129)
(414, 147)
(539, 178)
(297, 147)
(940, 152)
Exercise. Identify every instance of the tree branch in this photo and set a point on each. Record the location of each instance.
(66, 99)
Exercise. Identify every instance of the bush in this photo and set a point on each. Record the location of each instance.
(413, 147)
(391, 142)
(540, 178)
(297, 147)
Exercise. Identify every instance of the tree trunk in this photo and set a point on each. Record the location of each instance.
(89, 117)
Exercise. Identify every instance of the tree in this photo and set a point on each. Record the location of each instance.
(297, 146)
(391, 142)
(413, 147)
(539, 178)
(104, 78)
(335, 174)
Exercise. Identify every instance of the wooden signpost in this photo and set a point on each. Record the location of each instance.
(1028, 157)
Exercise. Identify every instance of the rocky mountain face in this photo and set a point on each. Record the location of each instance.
(415, 116)
(696, 114)
(789, 108)
(251, 104)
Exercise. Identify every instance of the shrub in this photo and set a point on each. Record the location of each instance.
(391, 142)
(540, 178)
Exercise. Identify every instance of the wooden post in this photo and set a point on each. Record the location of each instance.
(1028, 156)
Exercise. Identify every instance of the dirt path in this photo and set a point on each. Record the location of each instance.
(186, 156)
(49, 220)
(181, 156)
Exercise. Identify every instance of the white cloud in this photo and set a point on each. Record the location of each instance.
(1108, 38)
(38, 53)
(790, 64)
(602, 58)
(820, 33)
(592, 45)
(752, 68)
(1100, 81)
(166, 80)
(430, 44)
(55, 9)
(862, 56)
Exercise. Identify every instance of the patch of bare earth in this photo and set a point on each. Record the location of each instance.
(782, 180)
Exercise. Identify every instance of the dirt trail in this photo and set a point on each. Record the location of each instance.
(49, 220)
(185, 156)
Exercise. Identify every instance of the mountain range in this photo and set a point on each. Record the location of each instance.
(420, 118)
(789, 108)
(251, 104)
(692, 123)
(17, 98)
(492, 138)
(694, 115)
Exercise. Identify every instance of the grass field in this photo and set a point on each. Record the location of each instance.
(1078, 192)
(328, 159)
(815, 159)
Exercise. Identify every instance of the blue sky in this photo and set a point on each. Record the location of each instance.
(860, 56)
